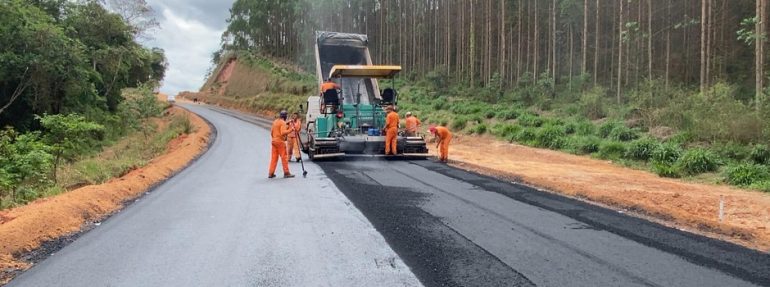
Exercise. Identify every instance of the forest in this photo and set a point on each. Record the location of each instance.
(677, 87)
(73, 79)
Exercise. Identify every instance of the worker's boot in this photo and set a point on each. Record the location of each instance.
(271, 176)
(288, 175)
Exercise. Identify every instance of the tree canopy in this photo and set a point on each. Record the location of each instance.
(68, 57)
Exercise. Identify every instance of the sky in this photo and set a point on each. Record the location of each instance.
(189, 33)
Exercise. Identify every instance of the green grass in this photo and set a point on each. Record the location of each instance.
(131, 152)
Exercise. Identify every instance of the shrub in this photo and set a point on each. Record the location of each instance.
(666, 153)
(592, 104)
(732, 151)
(606, 128)
(665, 169)
(509, 114)
(584, 144)
(585, 128)
(642, 149)
(760, 154)
(479, 129)
(550, 136)
(623, 133)
(490, 114)
(697, 161)
(746, 174)
(505, 131)
(459, 123)
(761, 186)
(25, 162)
(611, 150)
(526, 135)
(529, 120)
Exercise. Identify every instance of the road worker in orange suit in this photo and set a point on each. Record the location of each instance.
(328, 85)
(443, 136)
(412, 124)
(391, 131)
(292, 144)
(278, 132)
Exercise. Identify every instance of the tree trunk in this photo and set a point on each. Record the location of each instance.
(584, 50)
(620, 52)
(536, 45)
(596, 45)
(759, 57)
(703, 37)
(649, 44)
(668, 44)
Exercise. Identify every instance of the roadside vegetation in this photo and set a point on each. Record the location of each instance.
(72, 151)
(713, 136)
(74, 81)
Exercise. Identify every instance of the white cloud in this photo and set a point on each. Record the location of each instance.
(188, 44)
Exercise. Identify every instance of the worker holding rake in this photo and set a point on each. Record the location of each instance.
(278, 133)
(293, 140)
(443, 136)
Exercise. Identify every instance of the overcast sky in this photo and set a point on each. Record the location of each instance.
(189, 32)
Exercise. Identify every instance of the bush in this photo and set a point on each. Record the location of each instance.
(479, 129)
(592, 103)
(665, 169)
(505, 131)
(611, 150)
(585, 128)
(761, 186)
(731, 151)
(623, 133)
(25, 162)
(490, 114)
(760, 154)
(509, 114)
(642, 149)
(550, 136)
(459, 123)
(529, 120)
(584, 144)
(606, 128)
(746, 174)
(666, 153)
(526, 135)
(697, 161)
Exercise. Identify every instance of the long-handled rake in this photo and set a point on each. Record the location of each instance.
(301, 161)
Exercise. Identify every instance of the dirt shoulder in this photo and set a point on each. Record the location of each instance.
(25, 228)
(688, 206)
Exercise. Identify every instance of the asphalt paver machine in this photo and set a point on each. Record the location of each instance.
(349, 121)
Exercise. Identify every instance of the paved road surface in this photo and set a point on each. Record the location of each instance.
(222, 223)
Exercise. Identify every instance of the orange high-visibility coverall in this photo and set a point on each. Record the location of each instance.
(278, 132)
(411, 125)
(391, 133)
(292, 145)
(328, 86)
(444, 137)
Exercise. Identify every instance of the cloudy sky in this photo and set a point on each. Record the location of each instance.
(189, 32)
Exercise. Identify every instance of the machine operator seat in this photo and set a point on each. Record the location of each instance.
(330, 101)
(388, 96)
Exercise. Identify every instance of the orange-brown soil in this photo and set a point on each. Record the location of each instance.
(25, 228)
(689, 206)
